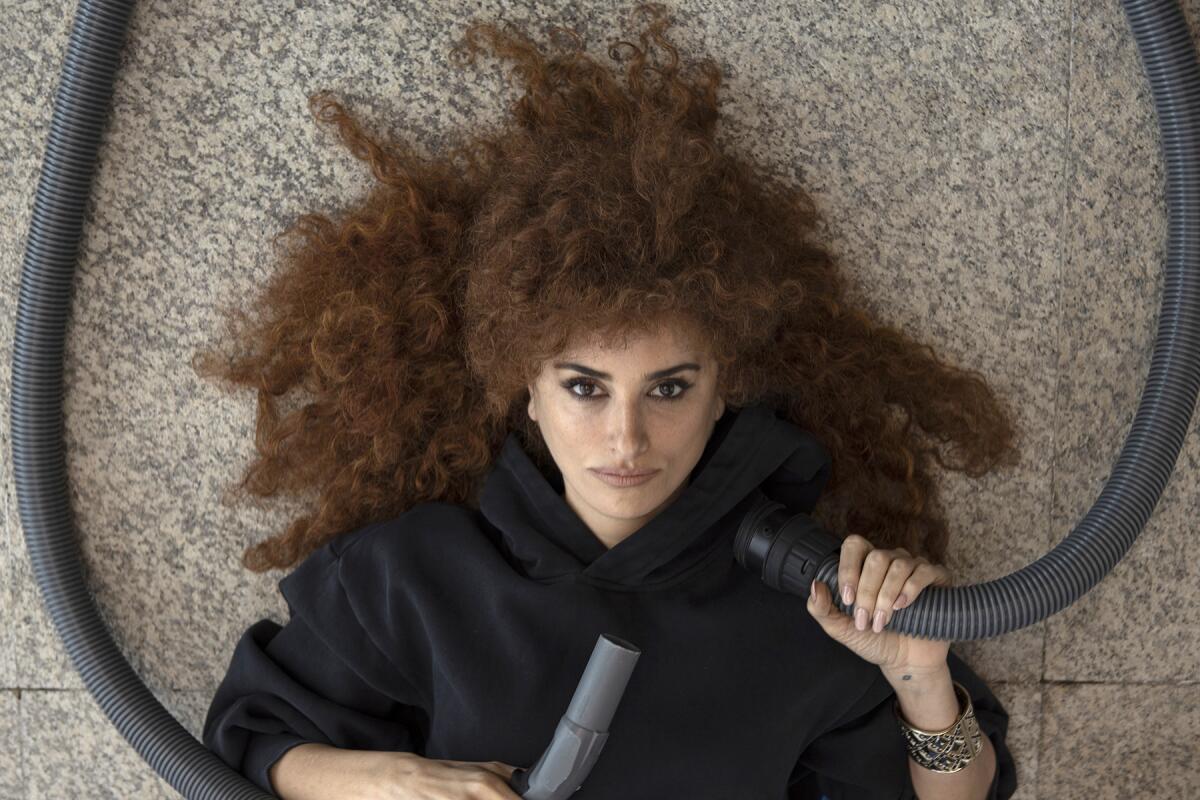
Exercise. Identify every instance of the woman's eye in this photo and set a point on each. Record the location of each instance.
(679, 389)
(586, 384)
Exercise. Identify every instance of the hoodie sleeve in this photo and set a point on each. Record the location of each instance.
(319, 678)
(863, 757)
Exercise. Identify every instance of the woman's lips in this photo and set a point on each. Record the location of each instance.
(619, 481)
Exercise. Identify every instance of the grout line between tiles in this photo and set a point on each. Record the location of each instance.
(1064, 244)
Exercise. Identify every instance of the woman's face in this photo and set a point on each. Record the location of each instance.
(634, 416)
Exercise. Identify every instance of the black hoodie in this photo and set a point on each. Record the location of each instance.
(462, 635)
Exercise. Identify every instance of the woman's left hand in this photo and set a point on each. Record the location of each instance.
(880, 578)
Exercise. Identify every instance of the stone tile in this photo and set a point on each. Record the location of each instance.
(1111, 295)
(12, 762)
(40, 659)
(161, 555)
(1023, 702)
(208, 155)
(73, 749)
(1104, 742)
(10, 541)
(993, 535)
(941, 127)
(29, 75)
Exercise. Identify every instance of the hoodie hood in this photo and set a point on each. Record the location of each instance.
(750, 448)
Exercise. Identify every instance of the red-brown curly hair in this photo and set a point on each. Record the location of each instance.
(416, 321)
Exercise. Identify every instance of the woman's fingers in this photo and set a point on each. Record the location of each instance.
(874, 571)
(907, 577)
(850, 564)
(901, 575)
(874, 580)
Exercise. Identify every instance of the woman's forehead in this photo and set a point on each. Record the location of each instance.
(678, 340)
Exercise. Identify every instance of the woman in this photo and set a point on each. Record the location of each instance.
(598, 288)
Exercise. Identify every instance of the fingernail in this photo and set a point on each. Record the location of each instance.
(879, 621)
(860, 619)
(847, 594)
(901, 600)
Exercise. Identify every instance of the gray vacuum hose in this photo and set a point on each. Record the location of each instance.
(1048, 585)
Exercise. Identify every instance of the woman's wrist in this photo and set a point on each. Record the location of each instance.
(390, 776)
(927, 698)
(316, 771)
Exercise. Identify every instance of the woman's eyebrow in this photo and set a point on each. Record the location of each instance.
(662, 373)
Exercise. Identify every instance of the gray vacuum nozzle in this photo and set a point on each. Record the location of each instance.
(583, 729)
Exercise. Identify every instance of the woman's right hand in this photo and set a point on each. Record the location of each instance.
(413, 777)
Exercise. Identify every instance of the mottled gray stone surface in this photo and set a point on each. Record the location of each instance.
(990, 177)
(1119, 739)
(12, 748)
(72, 750)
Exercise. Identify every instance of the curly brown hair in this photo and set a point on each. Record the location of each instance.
(416, 321)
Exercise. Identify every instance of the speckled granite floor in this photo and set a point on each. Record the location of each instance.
(989, 170)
